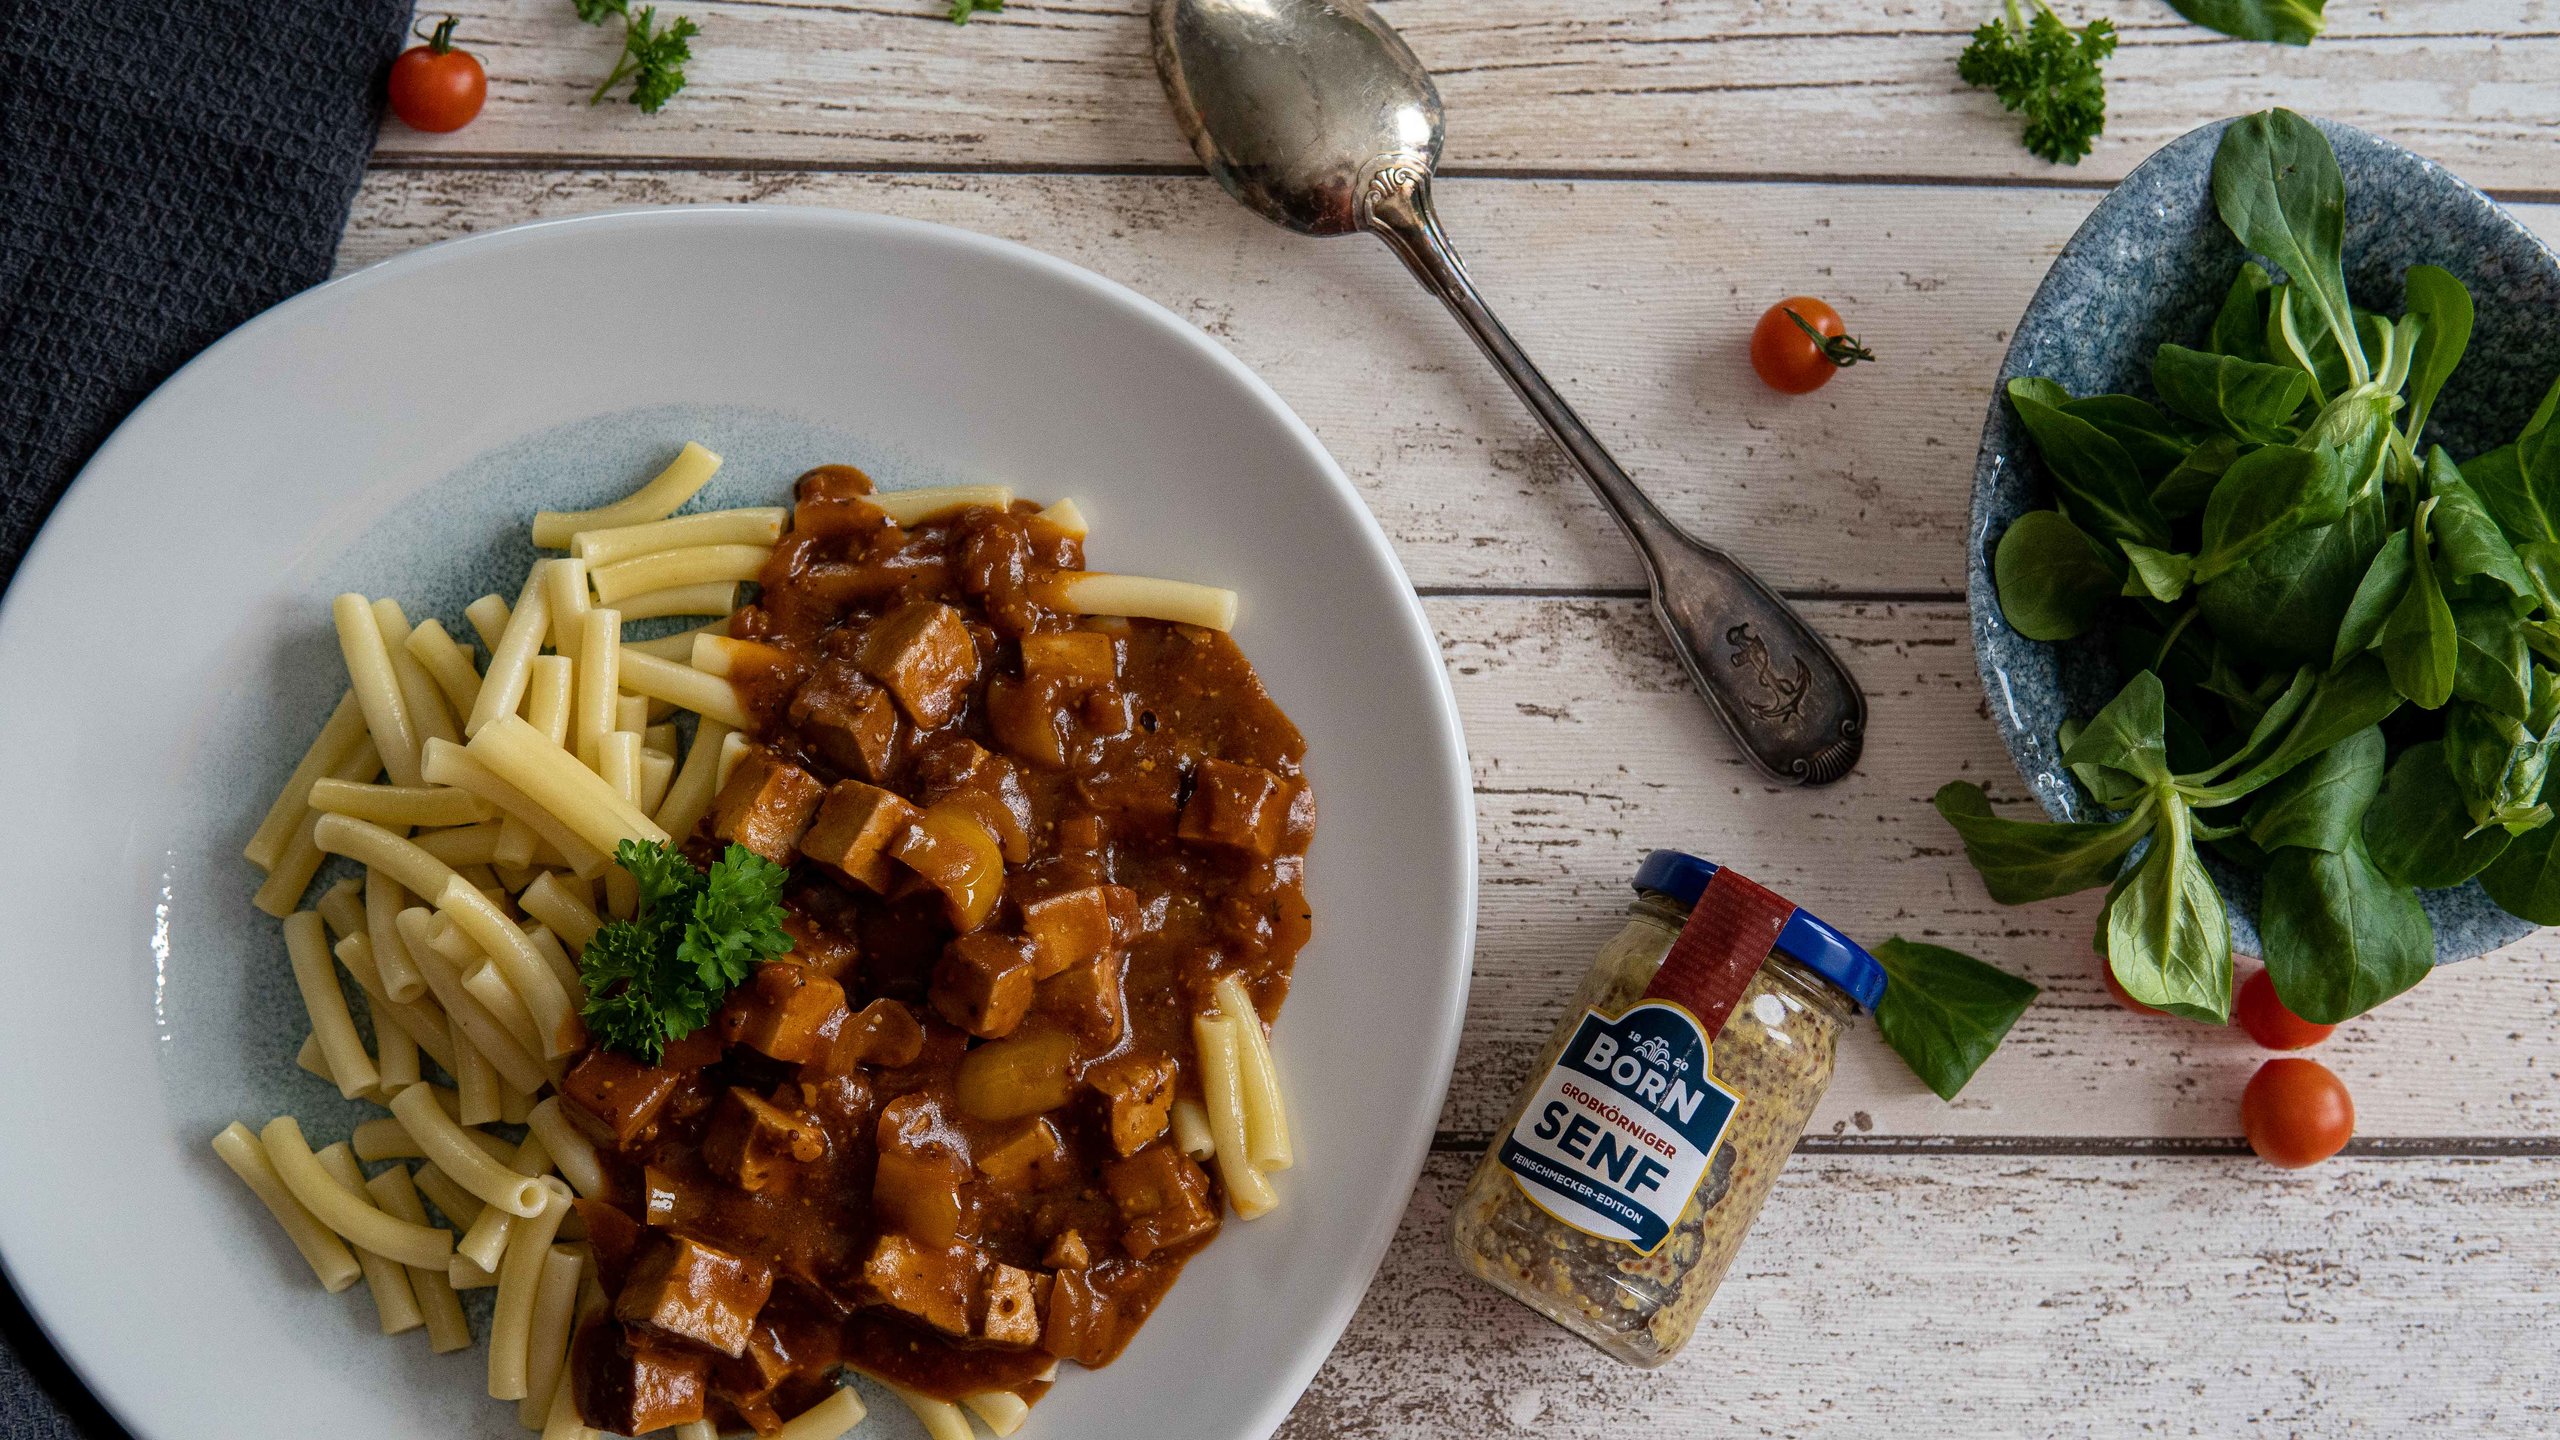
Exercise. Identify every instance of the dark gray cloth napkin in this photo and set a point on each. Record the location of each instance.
(168, 168)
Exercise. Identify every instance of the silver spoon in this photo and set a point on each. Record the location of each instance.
(1314, 114)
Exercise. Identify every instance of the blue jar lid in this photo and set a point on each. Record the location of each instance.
(1807, 940)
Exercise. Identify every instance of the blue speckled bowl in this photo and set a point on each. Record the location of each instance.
(2150, 265)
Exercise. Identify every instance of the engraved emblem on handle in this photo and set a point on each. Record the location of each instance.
(1394, 180)
(1786, 696)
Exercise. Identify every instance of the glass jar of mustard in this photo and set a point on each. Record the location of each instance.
(1657, 1118)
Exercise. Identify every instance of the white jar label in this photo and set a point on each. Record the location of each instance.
(1621, 1131)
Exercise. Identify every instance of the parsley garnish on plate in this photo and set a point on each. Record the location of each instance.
(657, 977)
(652, 58)
(2048, 72)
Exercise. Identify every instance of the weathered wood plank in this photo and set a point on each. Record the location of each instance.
(1727, 87)
(1637, 297)
(2063, 1297)
(1589, 749)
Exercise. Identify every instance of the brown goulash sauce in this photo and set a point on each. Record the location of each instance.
(932, 1143)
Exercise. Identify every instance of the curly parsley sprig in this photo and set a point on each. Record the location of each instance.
(652, 59)
(658, 976)
(2048, 72)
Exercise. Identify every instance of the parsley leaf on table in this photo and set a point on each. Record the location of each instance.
(658, 976)
(652, 58)
(2047, 71)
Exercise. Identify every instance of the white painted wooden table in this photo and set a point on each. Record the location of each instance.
(2080, 1245)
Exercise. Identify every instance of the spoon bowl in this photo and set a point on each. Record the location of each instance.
(1316, 115)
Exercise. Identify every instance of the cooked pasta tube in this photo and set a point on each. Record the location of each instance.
(460, 1206)
(461, 845)
(555, 958)
(565, 581)
(443, 657)
(384, 899)
(342, 905)
(554, 1025)
(733, 748)
(370, 845)
(552, 698)
(355, 1219)
(356, 954)
(560, 1422)
(510, 670)
(383, 1138)
(758, 525)
(697, 1430)
(471, 1168)
(475, 1079)
(1002, 1410)
(314, 1062)
(418, 689)
(471, 1019)
(486, 1240)
(395, 1054)
(330, 1261)
(685, 688)
(488, 616)
(1222, 1089)
(933, 502)
(1266, 1115)
(1088, 592)
(519, 1276)
(336, 741)
(395, 1304)
(697, 783)
(1191, 1130)
(571, 1150)
(396, 1194)
(555, 1307)
(490, 988)
(661, 739)
(389, 805)
(663, 496)
(830, 1419)
(669, 569)
(513, 1104)
(307, 944)
(463, 1274)
(519, 848)
(941, 1419)
(554, 780)
(719, 655)
(568, 915)
(717, 597)
(657, 776)
(631, 712)
(303, 852)
(595, 714)
(1068, 516)
(386, 713)
(422, 1019)
(457, 766)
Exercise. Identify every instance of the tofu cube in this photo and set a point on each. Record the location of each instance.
(755, 1144)
(849, 721)
(1072, 926)
(615, 1096)
(1024, 1159)
(631, 1384)
(933, 1285)
(922, 652)
(1009, 1315)
(1138, 1089)
(1087, 997)
(884, 1033)
(787, 1010)
(1163, 1198)
(1236, 807)
(689, 1290)
(766, 804)
(983, 983)
(1070, 662)
(856, 824)
(1068, 1251)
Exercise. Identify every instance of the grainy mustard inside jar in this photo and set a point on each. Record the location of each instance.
(1658, 1116)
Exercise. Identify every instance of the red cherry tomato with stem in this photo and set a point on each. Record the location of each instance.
(2269, 1023)
(435, 87)
(1800, 343)
(2296, 1113)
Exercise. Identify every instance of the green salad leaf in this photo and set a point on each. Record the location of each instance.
(2286, 22)
(1944, 1012)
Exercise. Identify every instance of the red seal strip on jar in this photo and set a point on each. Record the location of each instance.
(1620, 1133)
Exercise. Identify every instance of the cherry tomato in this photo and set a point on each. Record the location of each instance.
(1800, 343)
(2296, 1113)
(2116, 988)
(435, 87)
(2269, 1023)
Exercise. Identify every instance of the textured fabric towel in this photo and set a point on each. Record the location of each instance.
(168, 168)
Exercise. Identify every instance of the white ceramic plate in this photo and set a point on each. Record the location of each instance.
(167, 656)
